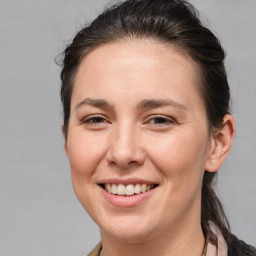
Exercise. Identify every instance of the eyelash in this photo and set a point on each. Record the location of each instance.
(155, 120)
(91, 120)
(167, 120)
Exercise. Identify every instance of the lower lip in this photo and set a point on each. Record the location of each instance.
(127, 201)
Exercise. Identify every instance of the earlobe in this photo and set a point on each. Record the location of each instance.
(221, 143)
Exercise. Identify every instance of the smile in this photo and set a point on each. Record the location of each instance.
(129, 189)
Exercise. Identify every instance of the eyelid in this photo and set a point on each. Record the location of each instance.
(87, 119)
(169, 120)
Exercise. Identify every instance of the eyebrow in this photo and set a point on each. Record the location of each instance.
(148, 103)
(100, 103)
(156, 103)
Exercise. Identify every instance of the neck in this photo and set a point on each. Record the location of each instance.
(189, 242)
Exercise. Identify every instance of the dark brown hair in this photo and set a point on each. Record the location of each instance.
(174, 22)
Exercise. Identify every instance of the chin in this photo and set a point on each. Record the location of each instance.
(133, 229)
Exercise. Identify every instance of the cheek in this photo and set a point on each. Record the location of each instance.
(179, 155)
(84, 153)
(181, 161)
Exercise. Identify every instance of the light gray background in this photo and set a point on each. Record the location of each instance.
(39, 214)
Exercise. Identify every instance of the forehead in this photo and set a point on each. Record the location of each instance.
(139, 65)
(148, 52)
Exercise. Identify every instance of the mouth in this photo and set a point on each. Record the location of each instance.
(127, 190)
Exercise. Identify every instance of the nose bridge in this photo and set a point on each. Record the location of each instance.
(126, 147)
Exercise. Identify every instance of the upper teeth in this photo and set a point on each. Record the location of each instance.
(128, 190)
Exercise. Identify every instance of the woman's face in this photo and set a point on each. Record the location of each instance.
(138, 140)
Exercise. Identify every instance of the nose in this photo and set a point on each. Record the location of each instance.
(125, 148)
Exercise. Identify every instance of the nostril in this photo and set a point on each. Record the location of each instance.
(124, 165)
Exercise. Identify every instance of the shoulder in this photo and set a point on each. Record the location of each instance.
(238, 247)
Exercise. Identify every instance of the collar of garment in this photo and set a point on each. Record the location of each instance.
(216, 245)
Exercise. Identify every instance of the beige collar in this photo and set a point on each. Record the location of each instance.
(216, 246)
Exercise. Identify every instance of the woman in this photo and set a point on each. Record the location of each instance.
(147, 124)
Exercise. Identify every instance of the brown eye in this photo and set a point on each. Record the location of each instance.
(160, 120)
(95, 121)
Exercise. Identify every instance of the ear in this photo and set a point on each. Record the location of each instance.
(65, 140)
(221, 142)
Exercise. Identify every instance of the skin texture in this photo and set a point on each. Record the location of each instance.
(166, 144)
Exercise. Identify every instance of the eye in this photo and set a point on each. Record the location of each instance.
(95, 121)
(160, 121)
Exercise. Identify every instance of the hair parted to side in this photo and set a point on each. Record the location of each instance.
(174, 22)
